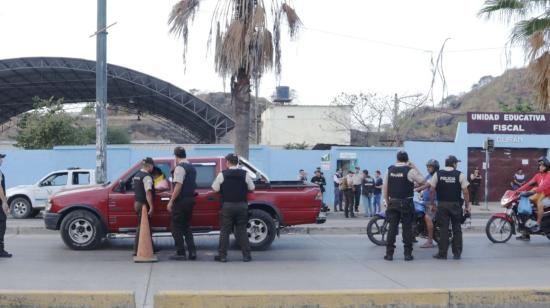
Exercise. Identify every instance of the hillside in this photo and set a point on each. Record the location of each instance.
(509, 91)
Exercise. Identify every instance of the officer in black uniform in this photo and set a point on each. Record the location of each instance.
(449, 184)
(234, 185)
(144, 191)
(3, 211)
(398, 194)
(181, 205)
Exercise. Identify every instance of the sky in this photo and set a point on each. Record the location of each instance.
(350, 46)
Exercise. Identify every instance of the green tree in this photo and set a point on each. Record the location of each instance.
(296, 146)
(244, 49)
(531, 30)
(115, 135)
(48, 125)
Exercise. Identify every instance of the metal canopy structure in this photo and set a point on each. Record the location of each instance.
(73, 79)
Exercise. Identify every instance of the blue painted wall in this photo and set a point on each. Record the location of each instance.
(28, 166)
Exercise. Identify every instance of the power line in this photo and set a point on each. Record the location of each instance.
(396, 45)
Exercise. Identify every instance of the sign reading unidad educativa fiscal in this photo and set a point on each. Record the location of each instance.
(508, 123)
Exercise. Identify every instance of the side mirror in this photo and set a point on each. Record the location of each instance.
(121, 186)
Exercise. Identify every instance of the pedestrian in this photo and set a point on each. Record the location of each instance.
(475, 184)
(398, 194)
(346, 186)
(449, 184)
(3, 212)
(377, 195)
(144, 195)
(302, 176)
(181, 205)
(518, 179)
(234, 184)
(357, 181)
(338, 194)
(367, 191)
(432, 166)
(160, 181)
(320, 181)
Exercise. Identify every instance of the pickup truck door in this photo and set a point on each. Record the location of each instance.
(122, 215)
(50, 185)
(161, 217)
(207, 209)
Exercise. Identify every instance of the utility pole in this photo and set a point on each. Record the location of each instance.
(489, 146)
(101, 92)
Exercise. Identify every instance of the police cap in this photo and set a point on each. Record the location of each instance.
(402, 156)
(232, 158)
(451, 160)
(148, 161)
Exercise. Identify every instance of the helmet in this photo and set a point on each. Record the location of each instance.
(545, 161)
(434, 163)
(465, 216)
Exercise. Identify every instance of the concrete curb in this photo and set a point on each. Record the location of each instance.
(67, 299)
(289, 230)
(444, 298)
(354, 230)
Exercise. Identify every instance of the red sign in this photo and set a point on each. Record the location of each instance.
(508, 123)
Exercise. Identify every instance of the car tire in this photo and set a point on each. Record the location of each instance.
(20, 208)
(261, 230)
(82, 230)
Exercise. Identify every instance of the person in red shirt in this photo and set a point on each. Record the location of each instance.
(539, 184)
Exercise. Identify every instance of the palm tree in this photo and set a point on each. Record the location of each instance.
(244, 50)
(531, 31)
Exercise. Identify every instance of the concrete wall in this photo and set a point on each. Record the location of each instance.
(310, 124)
(27, 167)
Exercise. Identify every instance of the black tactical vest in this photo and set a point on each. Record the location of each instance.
(139, 189)
(234, 187)
(448, 186)
(189, 184)
(399, 186)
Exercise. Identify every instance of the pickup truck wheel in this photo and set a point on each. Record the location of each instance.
(261, 230)
(81, 230)
(20, 208)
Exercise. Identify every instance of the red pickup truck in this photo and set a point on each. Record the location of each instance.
(86, 216)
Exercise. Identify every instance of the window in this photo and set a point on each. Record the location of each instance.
(205, 175)
(56, 179)
(81, 178)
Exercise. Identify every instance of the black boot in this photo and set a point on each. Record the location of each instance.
(3, 253)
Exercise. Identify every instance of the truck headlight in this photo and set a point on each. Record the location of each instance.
(48, 205)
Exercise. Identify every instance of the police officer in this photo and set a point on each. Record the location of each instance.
(449, 183)
(3, 212)
(181, 205)
(234, 185)
(398, 194)
(144, 191)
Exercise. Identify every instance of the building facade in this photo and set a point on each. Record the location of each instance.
(284, 124)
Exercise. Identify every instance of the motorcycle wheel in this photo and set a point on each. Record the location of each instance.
(377, 229)
(498, 230)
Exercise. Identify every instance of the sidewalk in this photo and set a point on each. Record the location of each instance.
(336, 223)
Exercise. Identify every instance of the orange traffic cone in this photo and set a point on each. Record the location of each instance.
(145, 244)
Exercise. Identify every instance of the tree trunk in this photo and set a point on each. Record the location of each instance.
(241, 103)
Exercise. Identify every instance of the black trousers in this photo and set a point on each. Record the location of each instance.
(357, 196)
(2, 227)
(400, 211)
(137, 207)
(348, 207)
(182, 212)
(474, 194)
(449, 212)
(234, 214)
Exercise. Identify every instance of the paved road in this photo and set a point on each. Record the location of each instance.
(305, 262)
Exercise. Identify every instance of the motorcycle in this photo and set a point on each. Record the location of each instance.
(502, 226)
(377, 228)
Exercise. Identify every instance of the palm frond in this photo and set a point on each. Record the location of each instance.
(182, 13)
(540, 73)
(531, 34)
(294, 22)
(505, 9)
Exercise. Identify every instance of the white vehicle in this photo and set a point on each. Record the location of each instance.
(28, 200)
